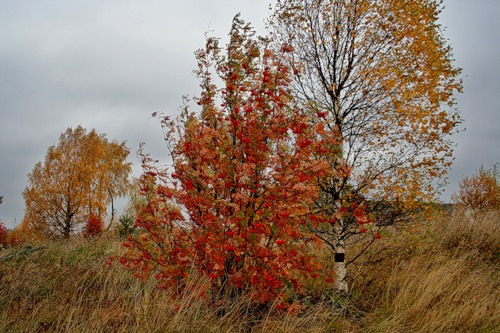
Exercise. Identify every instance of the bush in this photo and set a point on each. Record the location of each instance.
(93, 228)
(479, 193)
(3, 235)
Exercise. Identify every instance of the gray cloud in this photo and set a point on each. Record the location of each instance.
(472, 27)
(109, 65)
(104, 65)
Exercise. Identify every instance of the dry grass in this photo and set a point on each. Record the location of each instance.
(67, 287)
(444, 278)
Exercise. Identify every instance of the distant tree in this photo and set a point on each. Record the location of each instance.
(136, 202)
(379, 75)
(80, 176)
(479, 193)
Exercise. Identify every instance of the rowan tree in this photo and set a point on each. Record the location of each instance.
(479, 193)
(244, 173)
(80, 176)
(379, 74)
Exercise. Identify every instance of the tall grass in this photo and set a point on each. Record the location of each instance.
(68, 287)
(446, 279)
(443, 278)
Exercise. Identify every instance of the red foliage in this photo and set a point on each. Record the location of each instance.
(3, 235)
(234, 206)
(93, 227)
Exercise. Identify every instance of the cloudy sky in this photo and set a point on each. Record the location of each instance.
(109, 64)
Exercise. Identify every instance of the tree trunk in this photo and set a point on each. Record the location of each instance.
(67, 230)
(113, 211)
(340, 266)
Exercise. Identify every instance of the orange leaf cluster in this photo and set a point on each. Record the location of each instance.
(480, 192)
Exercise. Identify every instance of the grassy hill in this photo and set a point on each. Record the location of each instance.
(442, 278)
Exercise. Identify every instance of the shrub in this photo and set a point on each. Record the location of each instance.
(93, 228)
(3, 235)
(244, 176)
(479, 193)
(15, 238)
(126, 226)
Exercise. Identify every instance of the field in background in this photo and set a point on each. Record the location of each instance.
(442, 278)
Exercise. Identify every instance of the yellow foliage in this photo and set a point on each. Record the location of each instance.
(479, 193)
(79, 176)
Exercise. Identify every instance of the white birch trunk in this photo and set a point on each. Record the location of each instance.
(340, 265)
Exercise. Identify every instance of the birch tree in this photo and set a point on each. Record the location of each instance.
(379, 74)
(79, 177)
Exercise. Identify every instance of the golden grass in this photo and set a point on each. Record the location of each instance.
(444, 278)
(447, 281)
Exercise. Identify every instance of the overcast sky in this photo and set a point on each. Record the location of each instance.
(110, 64)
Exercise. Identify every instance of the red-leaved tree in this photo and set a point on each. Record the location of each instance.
(244, 176)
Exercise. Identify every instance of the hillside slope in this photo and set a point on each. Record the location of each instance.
(443, 278)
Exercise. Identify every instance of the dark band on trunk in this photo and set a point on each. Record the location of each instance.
(339, 257)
